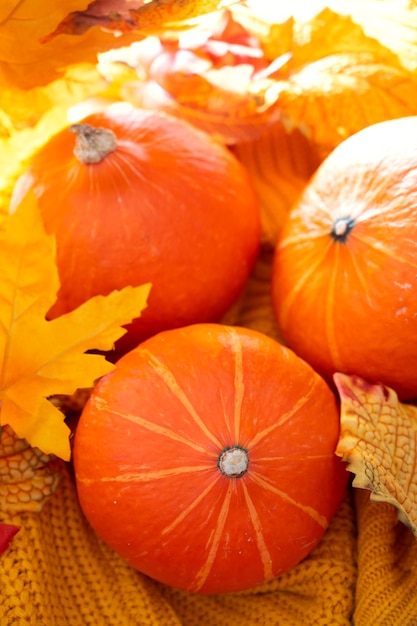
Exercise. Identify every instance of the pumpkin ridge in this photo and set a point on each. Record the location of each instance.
(261, 482)
(147, 475)
(285, 416)
(122, 161)
(264, 554)
(359, 274)
(160, 430)
(295, 457)
(331, 334)
(170, 381)
(382, 249)
(203, 573)
(306, 276)
(189, 509)
(239, 384)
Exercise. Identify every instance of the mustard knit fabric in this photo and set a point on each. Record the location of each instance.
(57, 572)
(363, 572)
(386, 592)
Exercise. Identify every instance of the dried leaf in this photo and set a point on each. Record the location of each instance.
(343, 75)
(38, 41)
(40, 358)
(392, 22)
(215, 75)
(378, 440)
(27, 476)
(280, 163)
(141, 15)
(332, 98)
(159, 15)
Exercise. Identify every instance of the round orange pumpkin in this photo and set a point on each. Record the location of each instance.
(345, 268)
(206, 458)
(138, 197)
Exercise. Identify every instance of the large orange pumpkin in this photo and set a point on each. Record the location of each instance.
(206, 458)
(345, 268)
(139, 197)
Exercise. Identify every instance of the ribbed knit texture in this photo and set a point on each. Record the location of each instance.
(57, 572)
(387, 566)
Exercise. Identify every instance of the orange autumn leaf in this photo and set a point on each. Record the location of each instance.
(40, 358)
(280, 163)
(378, 440)
(215, 75)
(145, 16)
(24, 61)
(335, 97)
(237, 71)
(340, 79)
(392, 22)
(38, 40)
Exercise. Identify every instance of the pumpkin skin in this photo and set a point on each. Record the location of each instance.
(168, 206)
(155, 431)
(345, 268)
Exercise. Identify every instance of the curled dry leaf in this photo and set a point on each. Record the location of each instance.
(216, 75)
(237, 72)
(378, 440)
(40, 40)
(143, 16)
(25, 61)
(326, 98)
(347, 68)
(392, 22)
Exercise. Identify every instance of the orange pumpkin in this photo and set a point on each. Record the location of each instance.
(139, 197)
(345, 267)
(206, 458)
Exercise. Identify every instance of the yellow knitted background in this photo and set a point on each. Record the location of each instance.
(57, 572)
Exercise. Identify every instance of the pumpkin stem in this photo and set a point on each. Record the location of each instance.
(341, 228)
(92, 144)
(233, 462)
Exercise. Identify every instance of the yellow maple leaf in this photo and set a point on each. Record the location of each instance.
(378, 440)
(28, 119)
(40, 358)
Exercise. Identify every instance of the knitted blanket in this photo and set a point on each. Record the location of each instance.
(57, 572)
